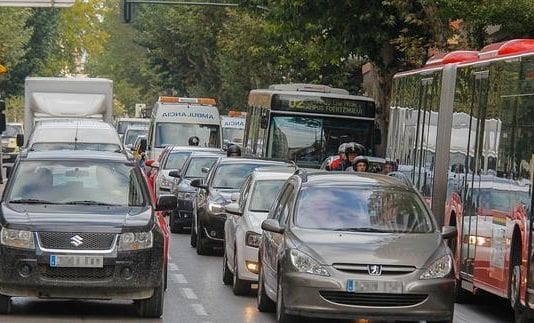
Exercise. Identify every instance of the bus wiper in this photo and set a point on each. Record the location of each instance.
(363, 229)
(89, 202)
(32, 201)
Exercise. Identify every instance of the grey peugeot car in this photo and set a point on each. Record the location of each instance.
(347, 246)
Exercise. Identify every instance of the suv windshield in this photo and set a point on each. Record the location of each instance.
(176, 160)
(263, 195)
(76, 182)
(231, 176)
(194, 170)
(369, 209)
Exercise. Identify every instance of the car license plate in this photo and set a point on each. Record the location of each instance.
(76, 261)
(374, 286)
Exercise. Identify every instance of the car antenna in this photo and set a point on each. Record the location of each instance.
(76, 135)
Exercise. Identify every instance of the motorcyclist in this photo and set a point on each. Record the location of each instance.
(361, 164)
(194, 141)
(233, 151)
(334, 162)
(352, 150)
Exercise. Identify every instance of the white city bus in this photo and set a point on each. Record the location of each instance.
(175, 120)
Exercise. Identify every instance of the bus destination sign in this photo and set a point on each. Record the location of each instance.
(325, 105)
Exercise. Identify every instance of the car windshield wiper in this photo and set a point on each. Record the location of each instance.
(89, 202)
(363, 229)
(32, 201)
(224, 188)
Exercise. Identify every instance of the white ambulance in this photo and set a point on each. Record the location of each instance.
(233, 129)
(175, 120)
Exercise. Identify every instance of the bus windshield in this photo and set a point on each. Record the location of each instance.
(178, 134)
(309, 140)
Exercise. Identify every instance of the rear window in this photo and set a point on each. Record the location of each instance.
(176, 160)
(369, 209)
(47, 146)
(263, 194)
(232, 176)
(194, 170)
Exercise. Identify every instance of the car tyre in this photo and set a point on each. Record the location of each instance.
(202, 248)
(239, 287)
(227, 274)
(193, 237)
(281, 315)
(153, 307)
(5, 304)
(174, 227)
(264, 303)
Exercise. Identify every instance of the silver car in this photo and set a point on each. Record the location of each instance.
(346, 246)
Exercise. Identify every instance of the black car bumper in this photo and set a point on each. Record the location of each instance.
(212, 226)
(125, 275)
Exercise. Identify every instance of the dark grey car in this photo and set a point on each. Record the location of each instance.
(348, 246)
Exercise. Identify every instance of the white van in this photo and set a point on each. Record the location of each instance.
(175, 120)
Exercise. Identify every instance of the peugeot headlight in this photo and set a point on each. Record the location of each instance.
(216, 208)
(135, 241)
(306, 264)
(438, 269)
(185, 195)
(252, 239)
(17, 238)
(165, 182)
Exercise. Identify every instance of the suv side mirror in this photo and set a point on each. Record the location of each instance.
(20, 140)
(174, 173)
(199, 183)
(166, 202)
(272, 225)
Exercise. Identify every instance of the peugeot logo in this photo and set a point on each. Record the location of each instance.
(375, 270)
(76, 241)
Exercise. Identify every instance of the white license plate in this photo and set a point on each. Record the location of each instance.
(373, 286)
(76, 261)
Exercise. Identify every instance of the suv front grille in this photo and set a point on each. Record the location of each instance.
(373, 299)
(77, 240)
(71, 274)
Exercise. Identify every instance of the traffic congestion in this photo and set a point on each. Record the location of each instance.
(287, 200)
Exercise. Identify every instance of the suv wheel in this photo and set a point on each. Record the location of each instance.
(5, 304)
(239, 286)
(193, 236)
(202, 248)
(227, 274)
(264, 303)
(153, 306)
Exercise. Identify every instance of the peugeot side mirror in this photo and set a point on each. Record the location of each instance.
(167, 202)
(234, 197)
(20, 140)
(233, 208)
(199, 183)
(272, 225)
(174, 173)
(448, 232)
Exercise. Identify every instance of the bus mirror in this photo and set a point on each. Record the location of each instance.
(377, 136)
(264, 123)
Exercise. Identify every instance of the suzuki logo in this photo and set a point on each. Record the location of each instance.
(76, 241)
(375, 270)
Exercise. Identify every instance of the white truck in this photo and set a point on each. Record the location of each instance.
(66, 98)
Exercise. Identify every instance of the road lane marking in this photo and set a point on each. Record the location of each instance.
(173, 267)
(189, 293)
(199, 310)
(180, 278)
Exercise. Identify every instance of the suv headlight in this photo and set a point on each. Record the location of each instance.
(17, 238)
(185, 195)
(306, 264)
(135, 241)
(252, 239)
(438, 269)
(216, 208)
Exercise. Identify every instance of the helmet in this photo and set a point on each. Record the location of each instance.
(361, 159)
(341, 149)
(233, 151)
(354, 147)
(194, 141)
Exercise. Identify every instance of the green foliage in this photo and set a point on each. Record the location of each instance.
(15, 108)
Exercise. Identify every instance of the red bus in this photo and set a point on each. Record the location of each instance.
(462, 129)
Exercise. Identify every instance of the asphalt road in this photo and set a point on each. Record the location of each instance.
(196, 294)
